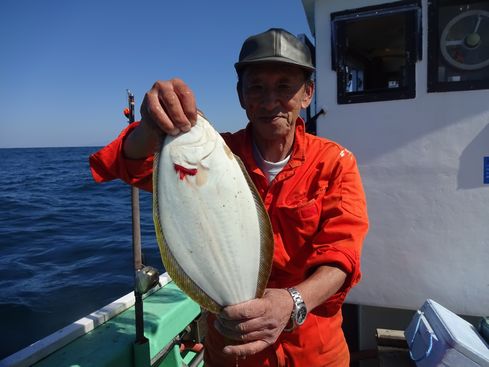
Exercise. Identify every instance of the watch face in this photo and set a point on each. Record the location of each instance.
(301, 315)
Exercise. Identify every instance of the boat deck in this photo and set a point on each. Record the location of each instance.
(167, 313)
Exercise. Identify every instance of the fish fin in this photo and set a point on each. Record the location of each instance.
(266, 234)
(178, 275)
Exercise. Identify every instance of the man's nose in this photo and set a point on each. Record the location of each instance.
(270, 99)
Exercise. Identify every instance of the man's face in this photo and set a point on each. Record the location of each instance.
(273, 95)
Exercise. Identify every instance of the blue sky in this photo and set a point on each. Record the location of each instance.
(65, 64)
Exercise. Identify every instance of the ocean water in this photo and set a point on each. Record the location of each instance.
(65, 242)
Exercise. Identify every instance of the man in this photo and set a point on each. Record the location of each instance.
(311, 189)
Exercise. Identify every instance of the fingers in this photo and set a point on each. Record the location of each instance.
(245, 310)
(256, 324)
(153, 114)
(187, 100)
(170, 106)
(251, 323)
(253, 335)
(248, 349)
(249, 330)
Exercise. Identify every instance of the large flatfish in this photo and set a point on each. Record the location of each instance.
(213, 231)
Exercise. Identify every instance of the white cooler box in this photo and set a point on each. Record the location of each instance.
(438, 337)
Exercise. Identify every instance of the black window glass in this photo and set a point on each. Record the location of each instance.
(374, 52)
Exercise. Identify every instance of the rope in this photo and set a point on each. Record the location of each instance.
(430, 346)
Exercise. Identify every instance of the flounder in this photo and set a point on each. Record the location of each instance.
(213, 231)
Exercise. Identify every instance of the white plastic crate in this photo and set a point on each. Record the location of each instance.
(438, 337)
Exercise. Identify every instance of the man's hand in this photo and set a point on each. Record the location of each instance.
(168, 108)
(256, 323)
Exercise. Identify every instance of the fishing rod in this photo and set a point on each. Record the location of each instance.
(136, 238)
(145, 277)
(136, 228)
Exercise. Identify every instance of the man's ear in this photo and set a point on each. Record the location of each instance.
(308, 94)
(239, 89)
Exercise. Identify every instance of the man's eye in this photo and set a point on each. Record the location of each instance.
(255, 88)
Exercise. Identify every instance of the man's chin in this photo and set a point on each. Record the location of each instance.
(273, 131)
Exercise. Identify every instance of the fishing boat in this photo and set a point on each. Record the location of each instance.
(107, 337)
(405, 86)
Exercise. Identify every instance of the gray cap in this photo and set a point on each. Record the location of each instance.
(275, 45)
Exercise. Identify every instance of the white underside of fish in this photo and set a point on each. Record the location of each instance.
(213, 231)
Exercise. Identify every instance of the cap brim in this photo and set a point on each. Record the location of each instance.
(277, 59)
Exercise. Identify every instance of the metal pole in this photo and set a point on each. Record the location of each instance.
(136, 228)
(136, 237)
(136, 242)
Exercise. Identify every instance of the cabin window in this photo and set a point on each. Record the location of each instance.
(458, 45)
(375, 50)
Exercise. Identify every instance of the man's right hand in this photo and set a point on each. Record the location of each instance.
(168, 108)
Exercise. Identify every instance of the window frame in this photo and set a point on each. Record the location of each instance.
(412, 8)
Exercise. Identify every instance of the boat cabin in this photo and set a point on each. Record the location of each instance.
(404, 85)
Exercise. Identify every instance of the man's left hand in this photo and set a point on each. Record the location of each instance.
(257, 324)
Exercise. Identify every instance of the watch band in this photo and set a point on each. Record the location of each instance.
(299, 312)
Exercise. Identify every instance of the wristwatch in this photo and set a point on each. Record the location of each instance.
(299, 312)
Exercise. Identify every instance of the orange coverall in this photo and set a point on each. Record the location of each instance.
(318, 213)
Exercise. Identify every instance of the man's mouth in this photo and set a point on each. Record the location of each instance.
(270, 118)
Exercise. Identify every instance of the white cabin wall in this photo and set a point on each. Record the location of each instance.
(421, 162)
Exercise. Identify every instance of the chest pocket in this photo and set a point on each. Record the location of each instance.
(299, 221)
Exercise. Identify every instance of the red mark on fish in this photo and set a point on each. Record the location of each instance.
(183, 171)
